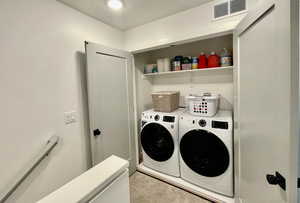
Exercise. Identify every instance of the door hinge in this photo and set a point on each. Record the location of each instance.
(277, 179)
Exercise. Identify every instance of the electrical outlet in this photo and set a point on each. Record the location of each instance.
(70, 117)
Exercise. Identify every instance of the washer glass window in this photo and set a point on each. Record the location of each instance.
(204, 153)
(157, 142)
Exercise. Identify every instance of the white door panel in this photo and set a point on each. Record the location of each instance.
(266, 104)
(110, 103)
(111, 106)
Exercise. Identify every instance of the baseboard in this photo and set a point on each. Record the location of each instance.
(178, 182)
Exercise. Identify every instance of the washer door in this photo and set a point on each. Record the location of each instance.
(204, 153)
(157, 142)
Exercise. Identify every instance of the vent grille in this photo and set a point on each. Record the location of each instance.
(237, 6)
(223, 8)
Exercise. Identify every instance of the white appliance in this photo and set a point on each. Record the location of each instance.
(206, 151)
(159, 141)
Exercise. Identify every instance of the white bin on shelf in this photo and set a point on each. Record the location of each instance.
(206, 104)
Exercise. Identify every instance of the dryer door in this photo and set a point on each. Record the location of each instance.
(204, 153)
(157, 142)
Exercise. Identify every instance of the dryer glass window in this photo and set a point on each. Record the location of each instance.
(157, 142)
(204, 153)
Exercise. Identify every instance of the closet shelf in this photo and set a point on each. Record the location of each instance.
(190, 71)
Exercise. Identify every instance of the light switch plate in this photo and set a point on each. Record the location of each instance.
(70, 117)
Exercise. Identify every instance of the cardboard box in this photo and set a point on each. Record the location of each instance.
(165, 101)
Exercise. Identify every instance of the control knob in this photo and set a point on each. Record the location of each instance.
(202, 123)
(156, 118)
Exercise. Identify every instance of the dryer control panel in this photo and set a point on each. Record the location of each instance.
(209, 123)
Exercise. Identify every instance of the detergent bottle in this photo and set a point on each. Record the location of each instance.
(202, 61)
(226, 58)
(213, 60)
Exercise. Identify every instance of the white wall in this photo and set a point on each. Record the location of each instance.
(41, 77)
(179, 27)
(182, 26)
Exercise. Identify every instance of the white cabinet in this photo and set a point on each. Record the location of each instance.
(216, 80)
(117, 191)
(107, 182)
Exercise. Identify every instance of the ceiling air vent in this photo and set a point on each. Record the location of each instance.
(225, 8)
(237, 6)
(221, 9)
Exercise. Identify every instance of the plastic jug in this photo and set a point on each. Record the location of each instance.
(202, 61)
(213, 60)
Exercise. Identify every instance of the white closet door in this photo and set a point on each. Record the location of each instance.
(267, 103)
(110, 102)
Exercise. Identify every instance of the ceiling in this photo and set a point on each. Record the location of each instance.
(134, 13)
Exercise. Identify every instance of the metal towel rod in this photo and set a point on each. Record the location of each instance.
(5, 194)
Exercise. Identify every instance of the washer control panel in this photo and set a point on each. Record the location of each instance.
(157, 117)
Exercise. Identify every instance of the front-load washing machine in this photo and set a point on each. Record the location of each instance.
(206, 151)
(159, 141)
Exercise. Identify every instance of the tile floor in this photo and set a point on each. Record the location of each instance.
(145, 189)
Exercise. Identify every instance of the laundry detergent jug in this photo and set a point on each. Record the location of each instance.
(213, 60)
(202, 61)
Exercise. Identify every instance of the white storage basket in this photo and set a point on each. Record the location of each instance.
(205, 105)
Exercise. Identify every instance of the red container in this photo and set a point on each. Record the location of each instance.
(213, 60)
(202, 61)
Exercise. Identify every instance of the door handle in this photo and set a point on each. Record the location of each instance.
(277, 179)
(96, 132)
